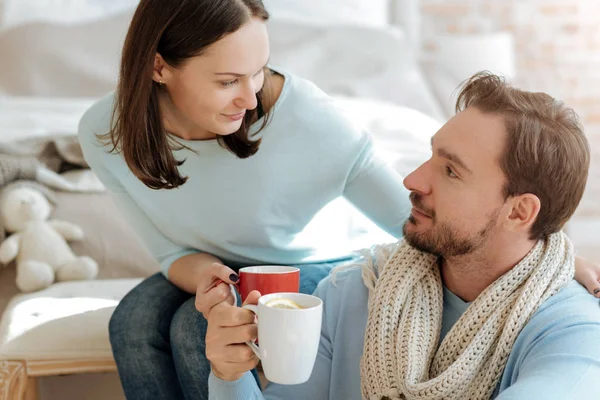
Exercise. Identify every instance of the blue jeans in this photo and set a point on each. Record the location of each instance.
(157, 338)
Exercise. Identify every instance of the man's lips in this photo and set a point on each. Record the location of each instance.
(419, 213)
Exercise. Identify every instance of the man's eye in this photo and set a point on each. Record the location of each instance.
(450, 173)
(229, 83)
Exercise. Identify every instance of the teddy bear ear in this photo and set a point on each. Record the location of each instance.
(47, 192)
(2, 231)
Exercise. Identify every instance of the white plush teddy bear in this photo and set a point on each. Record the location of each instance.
(38, 244)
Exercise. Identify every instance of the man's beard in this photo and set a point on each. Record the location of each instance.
(442, 240)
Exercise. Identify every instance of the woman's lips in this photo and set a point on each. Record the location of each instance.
(235, 117)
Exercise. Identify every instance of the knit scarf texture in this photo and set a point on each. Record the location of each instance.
(402, 356)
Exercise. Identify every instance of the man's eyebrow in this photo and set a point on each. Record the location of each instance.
(238, 75)
(452, 157)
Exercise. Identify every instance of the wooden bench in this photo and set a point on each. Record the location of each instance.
(57, 331)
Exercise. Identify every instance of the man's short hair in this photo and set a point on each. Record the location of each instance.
(546, 151)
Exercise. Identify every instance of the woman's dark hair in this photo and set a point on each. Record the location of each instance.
(177, 30)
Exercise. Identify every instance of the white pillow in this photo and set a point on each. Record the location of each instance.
(51, 54)
(402, 135)
(363, 12)
(354, 61)
(72, 47)
(54, 54)
(14, 13)
(28, 117)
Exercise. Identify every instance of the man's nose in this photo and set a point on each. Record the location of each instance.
(419, 180)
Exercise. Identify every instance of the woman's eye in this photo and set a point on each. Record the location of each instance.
(450, 173)
(229, 83)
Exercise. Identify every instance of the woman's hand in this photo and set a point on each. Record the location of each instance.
(588, 274)
(199, 272)
(213, 288)
(229, 328)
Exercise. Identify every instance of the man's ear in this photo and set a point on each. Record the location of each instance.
(161, 71)
(523, 213)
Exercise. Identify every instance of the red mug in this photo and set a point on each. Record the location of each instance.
(268, 279)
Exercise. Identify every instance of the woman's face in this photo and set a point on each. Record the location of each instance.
(209, 95)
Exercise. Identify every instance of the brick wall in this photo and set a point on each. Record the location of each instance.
(558, 51)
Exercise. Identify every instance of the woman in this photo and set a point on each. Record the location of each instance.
(218, 161)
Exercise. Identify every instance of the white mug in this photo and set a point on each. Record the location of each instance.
(288, 339)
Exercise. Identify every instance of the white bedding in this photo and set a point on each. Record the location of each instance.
(61, 49)
(70, 58)
(358, 12)
(354, 61)
(72, 48)
(27, 117)
(401, 135)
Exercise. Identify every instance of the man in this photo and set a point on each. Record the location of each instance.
(478, 301)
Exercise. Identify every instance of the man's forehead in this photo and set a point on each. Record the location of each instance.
(475, 137)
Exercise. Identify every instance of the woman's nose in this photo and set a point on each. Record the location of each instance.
(247, 98)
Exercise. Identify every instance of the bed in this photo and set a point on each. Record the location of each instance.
(58, 57)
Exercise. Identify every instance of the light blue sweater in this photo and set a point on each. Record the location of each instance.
(556, 355)
(257, 210)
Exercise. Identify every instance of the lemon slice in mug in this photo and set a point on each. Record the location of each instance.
(283, 303)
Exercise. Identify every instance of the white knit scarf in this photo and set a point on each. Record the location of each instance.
(401, 358)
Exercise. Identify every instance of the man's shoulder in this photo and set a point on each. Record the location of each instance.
(343, 280)
(574, 299)
(572, 306)
(345, 305)
(343, 290)
(349, 279)
(559, 341)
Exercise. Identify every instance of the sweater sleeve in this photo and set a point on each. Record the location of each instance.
(377, 191)
(162, 248)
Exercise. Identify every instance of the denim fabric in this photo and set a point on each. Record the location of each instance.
(157, 338)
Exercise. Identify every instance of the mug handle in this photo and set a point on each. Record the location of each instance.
(233, 293)
(253, 345)
(252, 308)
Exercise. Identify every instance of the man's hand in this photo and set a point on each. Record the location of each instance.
(229, 328)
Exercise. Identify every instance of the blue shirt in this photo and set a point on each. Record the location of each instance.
(556, 355)
(265, 208)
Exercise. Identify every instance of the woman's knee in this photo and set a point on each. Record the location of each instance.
(188, 328)
(145, 313)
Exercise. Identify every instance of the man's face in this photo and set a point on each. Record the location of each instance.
(457, 194)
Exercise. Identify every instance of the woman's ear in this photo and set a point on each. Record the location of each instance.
(161, 71)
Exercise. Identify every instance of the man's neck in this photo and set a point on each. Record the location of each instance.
(467, 276)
